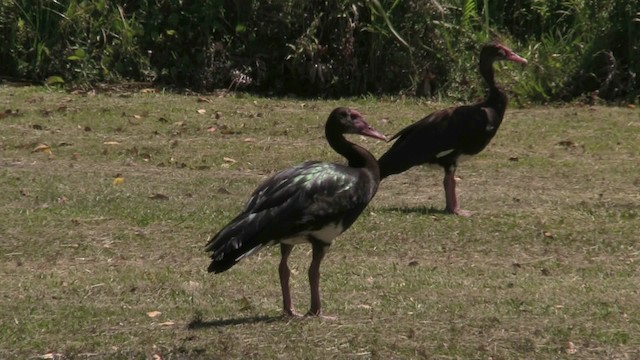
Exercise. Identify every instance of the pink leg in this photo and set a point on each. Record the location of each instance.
(285, 274)
(450, 195)
(314, 279)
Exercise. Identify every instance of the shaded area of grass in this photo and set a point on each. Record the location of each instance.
(548, 264)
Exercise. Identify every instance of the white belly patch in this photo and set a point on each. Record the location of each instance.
(326, 235)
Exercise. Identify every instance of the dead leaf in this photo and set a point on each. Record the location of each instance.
(547, 234)
(42, 148)
(514, 158)
(201, 111)
(212, 129)
(203, 99)
(167, 323)
(229, 160)
(159, 196)
(51, 355)
(118, 180)
(567, 144)
(570, 348)
(62, 200)
(249, 140)
(631, 106)
(153, 314)
(111, 143)
(148, 91)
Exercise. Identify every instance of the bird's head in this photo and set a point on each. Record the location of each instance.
(496, 52)
(349, 121)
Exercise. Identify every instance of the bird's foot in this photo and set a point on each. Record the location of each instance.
(318, 314)
(458, 212)
(290, 313)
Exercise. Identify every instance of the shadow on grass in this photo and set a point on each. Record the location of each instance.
(202, 324)
(423, 210)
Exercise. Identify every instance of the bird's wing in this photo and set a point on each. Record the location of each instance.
(313, 185)
(298, 199)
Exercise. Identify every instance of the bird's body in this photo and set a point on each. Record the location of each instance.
(309, 203)
(444, 136)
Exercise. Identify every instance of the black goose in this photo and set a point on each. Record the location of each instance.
(312, 202)
(441, 137)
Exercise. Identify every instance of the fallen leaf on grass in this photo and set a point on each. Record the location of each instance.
(118, 180)
(212, 129)
(167, 323)
(43, 148)
(153, 314)
(567, 144)
(570, 348)
(51, 355)
(250, 140)
(547, 234)
(229, 160)
(201, 111)
(111, 143)
(158, 196)
(203, 99)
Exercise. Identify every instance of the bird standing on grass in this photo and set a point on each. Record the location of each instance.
(443, 136)
(309, 203)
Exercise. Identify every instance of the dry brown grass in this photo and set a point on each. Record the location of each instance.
(550, 257)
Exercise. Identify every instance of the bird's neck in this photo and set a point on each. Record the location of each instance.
(356, 155)
(496, 97)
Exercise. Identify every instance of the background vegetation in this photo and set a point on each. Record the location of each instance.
(325, 47)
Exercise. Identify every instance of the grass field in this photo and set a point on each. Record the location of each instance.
(98, 266)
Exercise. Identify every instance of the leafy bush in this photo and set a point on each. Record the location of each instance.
(326, 47)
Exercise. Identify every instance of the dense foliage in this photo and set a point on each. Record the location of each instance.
(326, 47)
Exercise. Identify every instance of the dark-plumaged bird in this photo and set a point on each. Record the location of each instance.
(309, 203)
(443, 136)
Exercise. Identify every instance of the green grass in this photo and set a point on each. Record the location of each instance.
(549, 257)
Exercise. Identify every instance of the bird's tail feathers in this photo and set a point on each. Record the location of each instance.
(235, 242)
